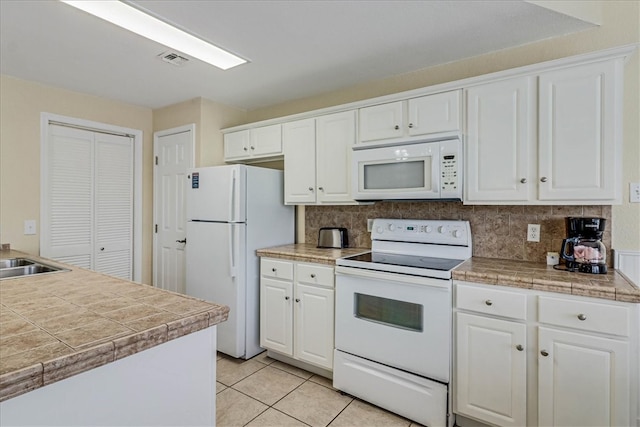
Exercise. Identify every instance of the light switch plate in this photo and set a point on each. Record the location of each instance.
(634, 192)
(30, 226)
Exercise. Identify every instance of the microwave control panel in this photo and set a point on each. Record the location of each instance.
(450, 167)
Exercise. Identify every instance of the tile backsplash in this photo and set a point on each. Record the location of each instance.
(498, 231)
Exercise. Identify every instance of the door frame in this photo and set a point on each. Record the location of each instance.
(156, 135)
(136, 134)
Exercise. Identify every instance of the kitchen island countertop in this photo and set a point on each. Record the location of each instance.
(56, 325)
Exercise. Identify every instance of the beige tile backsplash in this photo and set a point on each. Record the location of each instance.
(498, 231)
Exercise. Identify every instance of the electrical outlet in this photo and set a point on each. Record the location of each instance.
(30, 226)
(533, 233)
(369, 224)
(634, 192)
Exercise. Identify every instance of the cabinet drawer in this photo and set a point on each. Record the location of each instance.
(492, 301)
(315, 274)
(276, 269)
(587, 316)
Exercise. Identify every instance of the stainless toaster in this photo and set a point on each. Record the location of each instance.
(333, 237)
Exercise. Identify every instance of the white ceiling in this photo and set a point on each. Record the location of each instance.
(296, 49)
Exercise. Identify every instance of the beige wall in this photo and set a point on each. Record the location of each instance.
(619, 27)
(209, 117)
(21, 103)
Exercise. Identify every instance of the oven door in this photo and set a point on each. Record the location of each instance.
(398, 320)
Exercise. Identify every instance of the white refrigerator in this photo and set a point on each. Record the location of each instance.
(231, 212)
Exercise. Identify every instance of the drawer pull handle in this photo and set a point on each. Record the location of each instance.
(274, 269)
(286, 298)
(488, 302)
(582, 317)
(519, 347)
(545, 353)
(313, 276)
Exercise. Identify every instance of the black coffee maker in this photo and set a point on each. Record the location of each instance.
(583, 249)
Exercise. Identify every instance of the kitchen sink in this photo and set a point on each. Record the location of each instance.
(19, 267)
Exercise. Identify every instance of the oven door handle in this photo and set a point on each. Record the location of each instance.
(393, 277)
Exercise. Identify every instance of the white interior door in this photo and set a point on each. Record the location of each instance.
(174, 153)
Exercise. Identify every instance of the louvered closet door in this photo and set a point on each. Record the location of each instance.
(88, 200)
(67, 216)
(113, 205)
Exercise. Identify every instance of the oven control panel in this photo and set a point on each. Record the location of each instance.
(422, 231)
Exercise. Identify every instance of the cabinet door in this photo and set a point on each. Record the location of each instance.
(314, 325)
(500, 141)
(336, 135)
(236, 145)
(491, 370)
(434, 113)
(381, 121)
(266, 141)
(583, 380)
(299, 162)
(276, 315)
(580, 110)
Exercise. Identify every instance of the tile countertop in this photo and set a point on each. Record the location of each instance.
(539, 276)
(53, 326)
(519, 274)
(309, 253)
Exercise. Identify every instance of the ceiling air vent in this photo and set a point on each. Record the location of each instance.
(173, 58)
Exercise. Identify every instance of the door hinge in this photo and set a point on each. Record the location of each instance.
(156, 160)
(156, 228)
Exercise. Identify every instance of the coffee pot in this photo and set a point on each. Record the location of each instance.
(583, 249)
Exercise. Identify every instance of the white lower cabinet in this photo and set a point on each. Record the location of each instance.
(297, 310)
(533, 358)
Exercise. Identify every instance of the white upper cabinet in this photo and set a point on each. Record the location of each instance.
(580, 132)
(564, 148)
(415, 117)
(300, 162)
(500, 140)
(261, 143)
(317, 159)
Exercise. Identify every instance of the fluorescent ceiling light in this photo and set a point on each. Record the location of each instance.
(154, 29)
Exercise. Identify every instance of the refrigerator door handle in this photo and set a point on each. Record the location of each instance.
(234, 236)
(232, 194)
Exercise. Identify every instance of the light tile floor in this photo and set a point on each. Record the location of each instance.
(265, 392)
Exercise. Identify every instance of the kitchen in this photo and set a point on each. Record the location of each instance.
(23, 101)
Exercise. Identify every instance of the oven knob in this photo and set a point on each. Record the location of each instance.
(391, 227)
(379, 229)
(442, 229)
(427, 229)
(457, 233)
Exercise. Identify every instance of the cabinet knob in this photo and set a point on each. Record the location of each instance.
(410, 125)
(523, 180)
(102, 249)
(274, 269)
(287, 298)
(321, 188)
(310, 188)
(253, 148)
(582, 317)
(543, 179)
(297, 299)
(488, 302)
(545, 353)
(519, 347)
(182, 241)
(396, 127)
(313, 276)
(245, 148)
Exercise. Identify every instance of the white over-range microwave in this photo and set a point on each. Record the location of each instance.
(413, 171)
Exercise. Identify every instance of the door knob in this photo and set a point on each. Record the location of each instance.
(182, 241)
